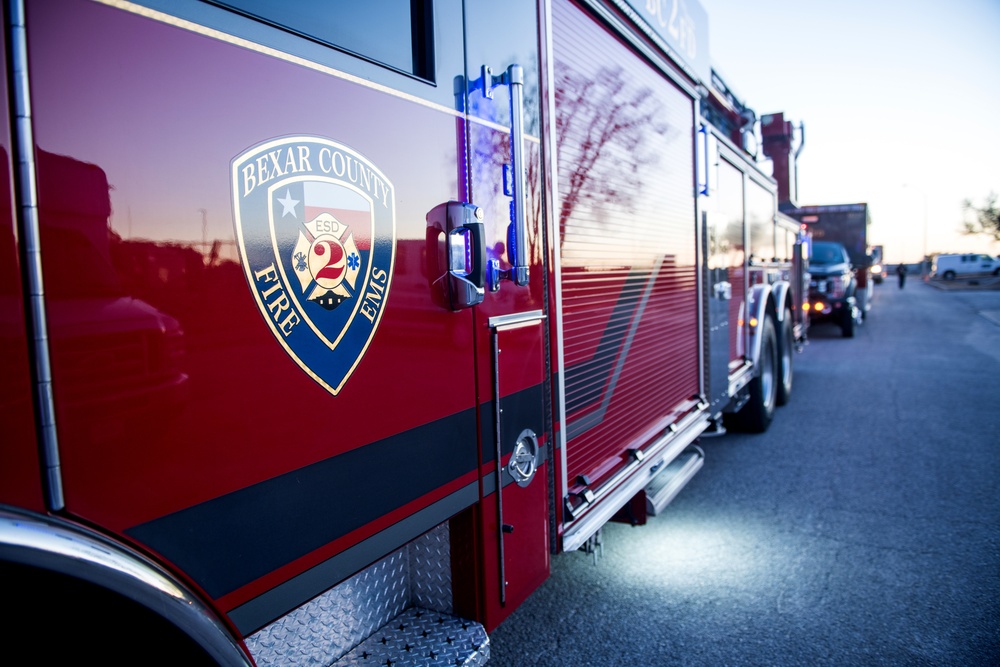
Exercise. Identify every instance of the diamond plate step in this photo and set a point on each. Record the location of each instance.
(418, 638)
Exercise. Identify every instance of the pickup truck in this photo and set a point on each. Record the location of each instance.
(832, 287)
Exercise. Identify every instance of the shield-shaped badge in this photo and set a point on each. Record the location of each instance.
(316, 226)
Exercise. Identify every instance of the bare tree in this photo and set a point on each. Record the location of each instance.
(986, 218)
(603, 128)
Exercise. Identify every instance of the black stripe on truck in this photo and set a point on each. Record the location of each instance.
(228, 542)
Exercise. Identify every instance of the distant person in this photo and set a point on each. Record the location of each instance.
(901, 272)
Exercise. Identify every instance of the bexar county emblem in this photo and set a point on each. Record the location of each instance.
(316, 226)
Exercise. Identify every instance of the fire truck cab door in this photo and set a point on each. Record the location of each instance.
(504, 185)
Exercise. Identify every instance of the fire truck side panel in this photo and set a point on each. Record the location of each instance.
(502, 551)
(743, 227)
(761, 207)
(731, 189)
(627, 246)
(792, 235)
(20, 476)
(525, 556)
(509, 527)
(761, 210)
(188, 421)
(725, 259)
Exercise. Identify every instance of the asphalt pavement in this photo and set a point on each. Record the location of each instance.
(862, 529)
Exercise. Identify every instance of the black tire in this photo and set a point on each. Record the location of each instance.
(91, 618)
(949, 275)
(847, 324)
(756, 415)
(786, 354)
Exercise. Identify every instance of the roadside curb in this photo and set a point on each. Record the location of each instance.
(989, 283)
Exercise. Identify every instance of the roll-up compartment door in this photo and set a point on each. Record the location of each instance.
(626, 238)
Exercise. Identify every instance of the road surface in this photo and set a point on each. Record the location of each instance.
(862, 529)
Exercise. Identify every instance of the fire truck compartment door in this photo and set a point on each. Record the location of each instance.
(520, 528)
(720, 292)
(509, 326)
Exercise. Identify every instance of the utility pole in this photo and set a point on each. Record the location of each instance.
(923, 197)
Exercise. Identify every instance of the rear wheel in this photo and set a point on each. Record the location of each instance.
(786, 345)
(758, 412)
(90, 618)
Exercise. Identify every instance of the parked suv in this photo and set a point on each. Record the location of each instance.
(965, 265)
(832, 286)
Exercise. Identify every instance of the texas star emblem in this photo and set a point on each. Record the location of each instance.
(316, 226)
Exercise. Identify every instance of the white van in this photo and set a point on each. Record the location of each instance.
(965, 265)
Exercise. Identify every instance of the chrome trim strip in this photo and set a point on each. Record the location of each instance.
(759, 296)
(747, 297)
(515, 320)
(35, 301)
(555, 362)
(498, 468)
(700, 253)
(740, 379)
(676, 484)
(551, 175)
(631, 479)
(60, 546)
(782, 293)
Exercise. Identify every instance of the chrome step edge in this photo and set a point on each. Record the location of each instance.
(672, 478)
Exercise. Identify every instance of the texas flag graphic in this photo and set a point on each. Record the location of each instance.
(334, 242)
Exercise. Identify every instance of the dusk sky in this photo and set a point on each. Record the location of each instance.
(900, 101)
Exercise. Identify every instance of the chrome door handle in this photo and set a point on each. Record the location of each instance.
(466, 254)
(513, 177)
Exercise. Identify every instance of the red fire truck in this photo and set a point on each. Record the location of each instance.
(325, 329)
